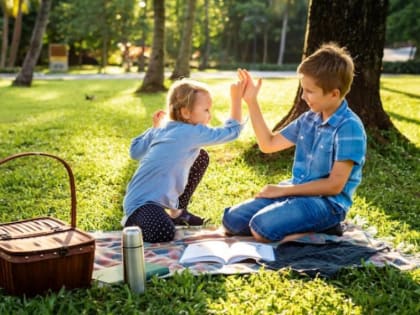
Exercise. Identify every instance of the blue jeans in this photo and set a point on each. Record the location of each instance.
(275, 218)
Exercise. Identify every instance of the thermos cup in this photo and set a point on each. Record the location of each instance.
(133, 258)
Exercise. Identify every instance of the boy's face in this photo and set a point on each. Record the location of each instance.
(317, 100)
(200, 113)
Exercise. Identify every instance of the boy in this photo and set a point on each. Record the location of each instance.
(330, 152)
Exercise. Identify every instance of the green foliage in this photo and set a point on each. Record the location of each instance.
(96, 24)
(408, 67)
(258, 66)
(93, 136)
(402, 23)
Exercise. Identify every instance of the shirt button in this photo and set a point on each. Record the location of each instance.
(301, 137)
(302, 176)
(322, 146)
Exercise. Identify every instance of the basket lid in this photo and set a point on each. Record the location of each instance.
(45, 243)
(31, 227)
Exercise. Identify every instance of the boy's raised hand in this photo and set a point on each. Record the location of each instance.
(252, 88)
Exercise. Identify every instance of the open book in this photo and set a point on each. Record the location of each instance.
(225, 253)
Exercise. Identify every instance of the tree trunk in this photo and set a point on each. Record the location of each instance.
(5, 39)
(153, 80)
(104, 52)
(104, 37)
(17, 30)
(24, 77)
(141, 58)
(265, 42)
(283, 34)
(360, 26)
(206, 49)
(182, 65)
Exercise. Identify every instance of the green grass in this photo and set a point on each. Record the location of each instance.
(93, 136)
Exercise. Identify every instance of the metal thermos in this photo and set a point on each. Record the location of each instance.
(133, 258)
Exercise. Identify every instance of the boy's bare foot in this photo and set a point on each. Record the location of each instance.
(335, 230)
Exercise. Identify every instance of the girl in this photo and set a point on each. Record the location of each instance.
(172, 162)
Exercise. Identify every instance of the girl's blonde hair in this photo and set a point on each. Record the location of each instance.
(181, 94)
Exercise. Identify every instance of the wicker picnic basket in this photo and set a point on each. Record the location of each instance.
(44, 253)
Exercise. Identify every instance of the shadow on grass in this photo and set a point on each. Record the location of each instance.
(390, 180)
(403, 118)
(380, 290)
(416, 96)
(271, 162)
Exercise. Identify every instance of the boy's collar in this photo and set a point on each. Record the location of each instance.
(335, 118)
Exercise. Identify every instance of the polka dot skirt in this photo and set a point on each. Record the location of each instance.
(155, 223)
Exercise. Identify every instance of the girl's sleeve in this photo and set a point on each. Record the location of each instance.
(140, 144)
(209, 136)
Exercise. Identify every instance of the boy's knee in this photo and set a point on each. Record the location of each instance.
(234, 224)
(226, 219)
(258, 237)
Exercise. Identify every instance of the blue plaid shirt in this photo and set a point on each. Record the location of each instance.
(320, 143)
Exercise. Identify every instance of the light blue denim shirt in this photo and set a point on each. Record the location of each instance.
(320, 143)
(166, 155)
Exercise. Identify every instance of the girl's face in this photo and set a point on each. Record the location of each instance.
(200, 113)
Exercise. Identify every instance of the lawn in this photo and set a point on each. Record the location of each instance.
(94, 135)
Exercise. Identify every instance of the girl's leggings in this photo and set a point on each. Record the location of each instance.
(155, 223)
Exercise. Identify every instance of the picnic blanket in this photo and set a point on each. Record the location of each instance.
(108, 250)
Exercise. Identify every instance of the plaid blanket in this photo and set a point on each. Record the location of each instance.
(108, 250)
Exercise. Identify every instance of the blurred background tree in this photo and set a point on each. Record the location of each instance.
(226, 34)
(403, 24)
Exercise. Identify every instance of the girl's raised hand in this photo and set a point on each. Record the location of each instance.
(237, 89)
(158, 117)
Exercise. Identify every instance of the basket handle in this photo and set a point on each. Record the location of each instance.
(69, 171)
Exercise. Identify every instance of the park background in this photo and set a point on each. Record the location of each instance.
(265, 35)
(90, 123)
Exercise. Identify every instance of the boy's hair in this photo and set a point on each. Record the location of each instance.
(181, 94)
(331, 67)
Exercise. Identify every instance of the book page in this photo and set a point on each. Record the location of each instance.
(214, 251)
(222, 252)
(245, 250)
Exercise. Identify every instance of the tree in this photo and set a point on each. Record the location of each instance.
(19, 7)
(153, 80)
(96, 26)
(360, 26)
(205, 51)
(24, 77)
(182, 65)
(143, 25)
(5, 39)
(402, 23)
(283, 33)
